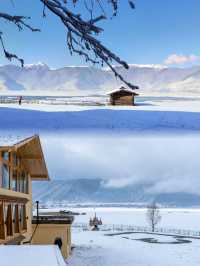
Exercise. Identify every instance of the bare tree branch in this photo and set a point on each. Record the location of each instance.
(81, 37)
(19, 21)
(9, 55)
(81, 33)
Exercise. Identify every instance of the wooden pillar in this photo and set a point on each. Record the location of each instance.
(2, 225)
(0, 170)
(9, 223)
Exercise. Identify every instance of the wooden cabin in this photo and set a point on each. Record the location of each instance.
(22, 162)
(122, 96)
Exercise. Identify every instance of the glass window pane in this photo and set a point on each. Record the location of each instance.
(5, 176)
(14, 181)
(22, 182)
(5, 155)
(26, 183)
(15, 160)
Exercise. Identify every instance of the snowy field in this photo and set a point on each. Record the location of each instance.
(90, 103)
(100, 249)
(150, 115)
(94, 248)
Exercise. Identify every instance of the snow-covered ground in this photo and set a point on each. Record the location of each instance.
(153, 115)
(97, 248)
(62, 104)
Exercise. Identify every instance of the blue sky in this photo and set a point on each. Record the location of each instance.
(156, 32)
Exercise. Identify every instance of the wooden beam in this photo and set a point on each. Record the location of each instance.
(11, 199)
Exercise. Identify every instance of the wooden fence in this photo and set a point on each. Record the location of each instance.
(141, 229)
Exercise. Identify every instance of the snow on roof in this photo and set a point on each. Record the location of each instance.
(10, 140)
(121, 89)
(30, 255)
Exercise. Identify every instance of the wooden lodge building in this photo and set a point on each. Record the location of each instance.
(122, 96)
(20, 164)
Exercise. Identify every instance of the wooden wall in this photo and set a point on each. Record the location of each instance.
(122, 98)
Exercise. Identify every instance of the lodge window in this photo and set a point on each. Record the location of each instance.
(5, 176)
(5, 155)
(12, 174)
(20, 181)
(23, 182)
(14, 181)
(26, 187)
(15, 160)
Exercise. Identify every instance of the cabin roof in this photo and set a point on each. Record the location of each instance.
(30, 151)
(123, 89)
(10, 140)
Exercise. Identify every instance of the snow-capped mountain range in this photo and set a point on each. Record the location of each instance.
(96, 191)
(72, 80)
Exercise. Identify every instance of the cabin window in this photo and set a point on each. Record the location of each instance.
(2, 228)
(16, 219)
(23, 182)
(9, 224)
(5, 155)
(15, 160)
(5, 176)
(14, 181)
(26, 183)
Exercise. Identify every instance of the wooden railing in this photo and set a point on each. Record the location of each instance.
(13, 220)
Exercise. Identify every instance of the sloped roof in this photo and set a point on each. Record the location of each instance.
(30, 151)
(123, 89)
(9, 140)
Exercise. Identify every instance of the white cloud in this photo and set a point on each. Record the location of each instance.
(161, 164)
(175, 59)
(118, 183)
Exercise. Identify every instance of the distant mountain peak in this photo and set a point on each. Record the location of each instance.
(87, 80)
(37, 65)
(149, 66)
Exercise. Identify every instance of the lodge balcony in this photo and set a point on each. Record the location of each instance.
(13, 219)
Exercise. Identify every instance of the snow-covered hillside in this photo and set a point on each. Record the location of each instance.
(152, 79)
(95, 191)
